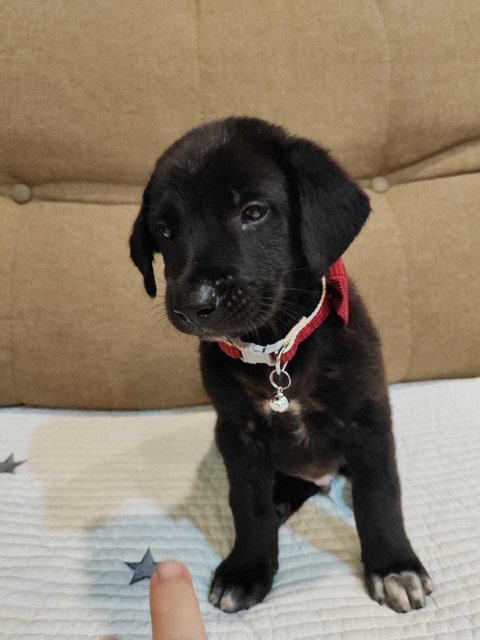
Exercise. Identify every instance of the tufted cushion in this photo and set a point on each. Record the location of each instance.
(78, 330)
(99, 90)
(91, 94)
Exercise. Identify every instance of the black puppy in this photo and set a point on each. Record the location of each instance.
(251, 223)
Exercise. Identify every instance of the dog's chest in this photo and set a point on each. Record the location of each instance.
(301, 439)
(291, 422)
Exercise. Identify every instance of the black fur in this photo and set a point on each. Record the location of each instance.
(230, 276)
(142, 245)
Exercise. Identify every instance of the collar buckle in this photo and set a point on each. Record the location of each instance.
(260, 354)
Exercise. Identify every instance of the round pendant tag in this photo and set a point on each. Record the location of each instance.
(279, 402)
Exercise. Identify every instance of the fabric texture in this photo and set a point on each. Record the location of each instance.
(98, 92)
(91, 95)
(78, 508)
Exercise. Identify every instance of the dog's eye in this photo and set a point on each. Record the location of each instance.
(164, 230)
(254, 212)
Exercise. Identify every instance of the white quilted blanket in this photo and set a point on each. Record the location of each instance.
(99, 488)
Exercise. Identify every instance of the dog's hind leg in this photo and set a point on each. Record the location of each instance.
(289, 493)
(345, 471)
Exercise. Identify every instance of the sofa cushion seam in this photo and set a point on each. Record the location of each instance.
(197, 48)
(11, 307)
(388, 57)
(407, 306)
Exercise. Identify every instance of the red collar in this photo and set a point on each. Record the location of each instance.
(334, 297)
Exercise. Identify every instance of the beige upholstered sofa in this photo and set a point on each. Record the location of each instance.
(90, 95)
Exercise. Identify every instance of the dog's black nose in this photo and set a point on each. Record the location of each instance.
(198, 304)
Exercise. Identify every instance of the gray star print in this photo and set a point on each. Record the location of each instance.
(144, 568)
(8, 465)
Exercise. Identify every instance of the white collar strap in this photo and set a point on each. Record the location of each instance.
(269, 354)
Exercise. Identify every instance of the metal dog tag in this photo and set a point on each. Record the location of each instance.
(279, 402)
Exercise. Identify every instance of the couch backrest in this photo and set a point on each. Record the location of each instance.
(92, 93)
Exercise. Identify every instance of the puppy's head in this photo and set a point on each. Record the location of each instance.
(236, 208)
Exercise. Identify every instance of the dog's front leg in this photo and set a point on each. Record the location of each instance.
(246, 575)
(394, 574)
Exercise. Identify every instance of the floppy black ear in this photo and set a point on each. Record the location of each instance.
(333, 208)
(142, 244)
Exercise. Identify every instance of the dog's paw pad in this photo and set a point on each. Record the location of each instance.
(236, 587)
(228, 602)
(283, 511)
(427, 584)
(234, 598)
(215, 596)
(401, 591)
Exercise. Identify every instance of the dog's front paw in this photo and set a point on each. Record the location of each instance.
(239, 585)
(400, 587)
